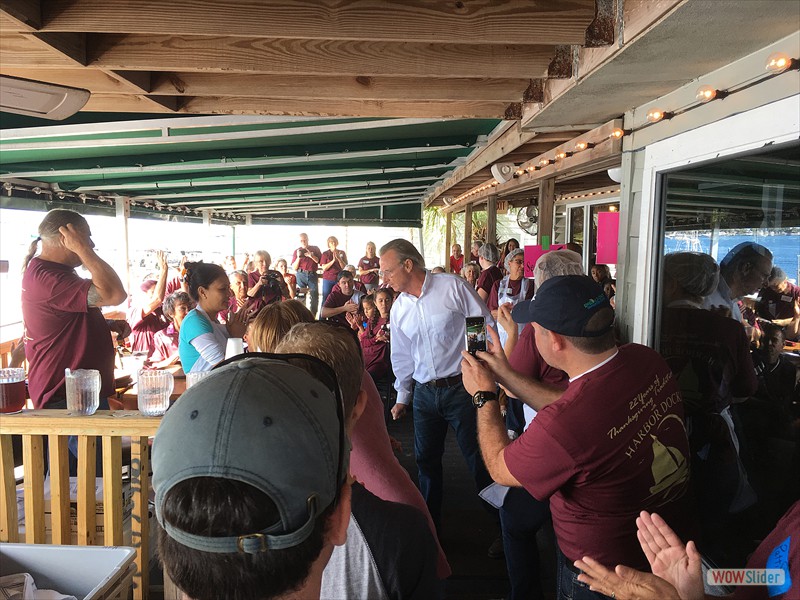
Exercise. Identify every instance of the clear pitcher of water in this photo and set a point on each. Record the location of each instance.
(83, 391)
(154, 389)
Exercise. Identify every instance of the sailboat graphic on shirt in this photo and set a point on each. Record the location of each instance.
(670, 471)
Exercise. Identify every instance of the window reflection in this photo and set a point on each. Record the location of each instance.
(729, 314)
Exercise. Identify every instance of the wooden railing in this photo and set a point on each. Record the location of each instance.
(56, 426)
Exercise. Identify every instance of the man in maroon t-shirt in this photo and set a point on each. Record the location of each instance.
(64, 327)
(612, 445)
(779, 300)
(305, 262)
(343, 301)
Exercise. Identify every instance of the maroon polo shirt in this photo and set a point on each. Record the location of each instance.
(307, 264)
(61, 331)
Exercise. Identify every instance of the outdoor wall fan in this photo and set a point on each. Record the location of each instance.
(528, 219)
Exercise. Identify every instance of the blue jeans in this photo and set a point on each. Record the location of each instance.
(309, 280)
(569, 588)
(435, 409)
(521, 517)
(327, 286)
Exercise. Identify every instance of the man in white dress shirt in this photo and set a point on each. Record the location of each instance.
(744, 270)
(428, 333)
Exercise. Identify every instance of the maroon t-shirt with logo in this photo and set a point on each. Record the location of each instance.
(307, 264)
(487, 278)
(369, 263)
(613, 445)
(525, 359)
(336, 299)
(331, 272)
(774, 305)
(376, 352)
(61, 331)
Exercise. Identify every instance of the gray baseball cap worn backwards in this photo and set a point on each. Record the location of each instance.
(263, 422)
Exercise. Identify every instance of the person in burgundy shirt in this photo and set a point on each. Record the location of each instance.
(64, 328)
(368, 268)
(456, 259)
(612, 445)
(473, 251)
(332, 262)
(265, 285)
(165, 342)
(145, 315)
(342, 302)
(488, 257)
(289, 278)
(779, 302)
(305, 262)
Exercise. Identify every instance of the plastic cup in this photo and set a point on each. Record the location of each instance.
(83, 391)
(153, 392)
(234, 347)
(12, 390)
(193, 378)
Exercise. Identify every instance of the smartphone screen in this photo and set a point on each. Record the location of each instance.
(476, 334)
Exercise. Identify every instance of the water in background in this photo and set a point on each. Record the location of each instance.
(785, 248)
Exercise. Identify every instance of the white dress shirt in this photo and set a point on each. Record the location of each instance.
(722, 297)
(428, 333)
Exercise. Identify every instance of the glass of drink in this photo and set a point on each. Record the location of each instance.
(154, 389)
(12, 390)
(83, 391)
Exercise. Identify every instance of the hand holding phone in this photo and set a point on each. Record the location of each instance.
(475, 334)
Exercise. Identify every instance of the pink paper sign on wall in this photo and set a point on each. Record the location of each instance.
(607, 237)
(532, 254)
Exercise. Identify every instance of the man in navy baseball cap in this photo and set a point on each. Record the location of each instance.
(572, 305)
(613, 444)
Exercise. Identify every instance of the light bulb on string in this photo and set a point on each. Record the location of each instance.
(654, 115)
(779, 61)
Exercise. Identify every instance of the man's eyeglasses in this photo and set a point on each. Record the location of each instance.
(384, 272)
(322, 372)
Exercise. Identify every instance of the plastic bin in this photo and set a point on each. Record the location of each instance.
(86, 572)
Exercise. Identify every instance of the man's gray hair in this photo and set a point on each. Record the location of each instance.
(556, 264)
(405, 250)
(489, 252)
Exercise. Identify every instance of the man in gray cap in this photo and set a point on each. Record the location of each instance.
(249, 468)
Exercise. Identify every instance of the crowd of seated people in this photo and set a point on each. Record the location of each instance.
(591, 432)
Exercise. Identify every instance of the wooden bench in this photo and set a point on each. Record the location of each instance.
(56, 426)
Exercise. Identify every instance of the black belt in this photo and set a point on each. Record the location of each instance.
(446, 382)
(304, 271)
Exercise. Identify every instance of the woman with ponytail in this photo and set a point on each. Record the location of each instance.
(202, 339)
(64, 327)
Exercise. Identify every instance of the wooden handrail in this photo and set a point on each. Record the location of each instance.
(57, 425)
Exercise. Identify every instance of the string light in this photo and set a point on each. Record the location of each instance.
(581, 146)
(654, 115)
(778, 62)
(563, 154)
(618, 132)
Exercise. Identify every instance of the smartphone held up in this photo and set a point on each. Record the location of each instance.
(475, 334)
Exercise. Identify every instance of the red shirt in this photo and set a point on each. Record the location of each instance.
(331, 272)
(144, 328)
(336, 299)
(307, 264)
(613, 445)
(376, 352)
(369, 263)
(165, 344)
(774, 305)
(270, 292)
(61, 331)
(487, 278)
(456, 264)
(779, 550)
(526, 359)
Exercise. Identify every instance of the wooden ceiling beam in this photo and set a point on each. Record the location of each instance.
(338, 88)
(315, 57)
(462, 109)
(426, 21)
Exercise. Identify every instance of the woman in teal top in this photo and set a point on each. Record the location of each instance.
(202, 339)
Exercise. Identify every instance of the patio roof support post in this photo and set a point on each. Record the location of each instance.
(491, 219)
(547, 198)
(467, 229)
(448, 240)
(123, 209)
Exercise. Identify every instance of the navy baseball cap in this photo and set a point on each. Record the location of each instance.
(263, 422)
(565, 305)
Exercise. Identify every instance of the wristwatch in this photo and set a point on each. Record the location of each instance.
(481, 398)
